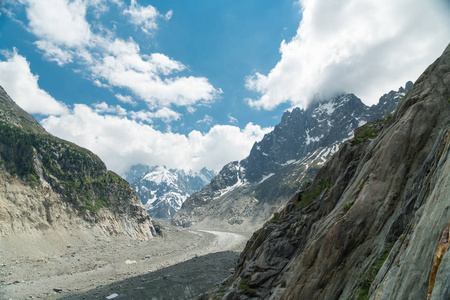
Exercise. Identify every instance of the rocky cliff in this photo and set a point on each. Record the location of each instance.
(163, 190)
(246, 193)
(374, 222)
(47, 183)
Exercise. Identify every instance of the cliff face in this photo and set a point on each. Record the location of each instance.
(48, 183)
(374, 221)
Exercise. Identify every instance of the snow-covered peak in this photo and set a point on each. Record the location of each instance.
(161, 175)
(163, 190)
(327, 108)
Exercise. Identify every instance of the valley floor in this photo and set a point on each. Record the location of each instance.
(179, 265)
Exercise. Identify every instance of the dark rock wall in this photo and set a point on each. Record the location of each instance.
(370, 222)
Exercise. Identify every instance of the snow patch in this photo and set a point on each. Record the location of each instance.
(361, 122)
(289, 162)
(230, 188)
(327, 108)
(161, 175)
(265, 177)
(310, 139)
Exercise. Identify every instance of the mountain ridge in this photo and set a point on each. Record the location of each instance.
(288, 156)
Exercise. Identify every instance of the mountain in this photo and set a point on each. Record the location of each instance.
(48, 183)
(374, 222)
(163, 190)
(246, 193)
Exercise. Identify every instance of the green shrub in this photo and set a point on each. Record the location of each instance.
(346, 207)
(94, 207)
(365, 281)
(33, 178)
(275, 216)
(244, 286)
(310, 194)
(388, 117)
(363, 134)
(72, 171)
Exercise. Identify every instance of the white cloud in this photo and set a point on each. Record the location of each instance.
(208, 120)
(22, 85)
(101, 84)
(143, 16)
(103, 107)
(123, 66)
(126, 99)
(122, 142)
(99, 7)
(363, 47)
(65, 36)
(232, 119)
(168, 15)
(59, 21)
(54, 53)
(166, 114)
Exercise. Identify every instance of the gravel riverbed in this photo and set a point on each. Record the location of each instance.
(180, 264)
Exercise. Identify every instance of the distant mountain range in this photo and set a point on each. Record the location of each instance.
(163, 190)
(284, 159)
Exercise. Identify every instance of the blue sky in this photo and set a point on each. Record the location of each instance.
(190, 84)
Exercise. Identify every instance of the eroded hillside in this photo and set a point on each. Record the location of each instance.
(48, 183)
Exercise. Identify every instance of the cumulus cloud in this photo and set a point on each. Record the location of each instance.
(122, 142)
(165, 114)
(143, 16)
(101, 84)
(363, 47)
(99, 7)
(126, 99)
(103, 107)
(65, 36)
(60, 21)
(123, 66)
(22, 85)
(54, 53)
(208, 120)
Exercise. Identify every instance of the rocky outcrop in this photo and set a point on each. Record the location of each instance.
(372, 222)
(47, 183)
(248, 192)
